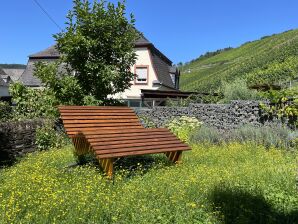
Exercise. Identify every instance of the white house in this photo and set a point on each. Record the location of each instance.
(153, 71)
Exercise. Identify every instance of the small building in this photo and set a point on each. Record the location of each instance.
(153, 71)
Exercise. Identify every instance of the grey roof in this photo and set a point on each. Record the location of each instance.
(173, 69)
(14, 74)
(142, 41)
(50, 52)
(2, 75)
(162, 69)
(27, 78)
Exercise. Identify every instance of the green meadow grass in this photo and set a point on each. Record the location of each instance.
(235, 183)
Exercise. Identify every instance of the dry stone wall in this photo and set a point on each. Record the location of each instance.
(222, 116)
(16, 139)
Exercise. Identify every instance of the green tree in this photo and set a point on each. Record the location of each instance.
(65, 88)
(98, 44)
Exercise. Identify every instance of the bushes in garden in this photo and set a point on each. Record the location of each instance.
(48, 137)
(270, 135)
(183, 126)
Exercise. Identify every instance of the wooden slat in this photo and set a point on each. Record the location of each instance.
(72, 131)
(122, 130)
(103, 121)
(72, 117)
(91, 112)
(90, 129)
(94, 107)
(106, 118)
(108, 148)
(115, 137)
(142, 151)
(100, 124)
(132, 141)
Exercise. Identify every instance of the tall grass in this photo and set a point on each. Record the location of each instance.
(237, 183)
(273, 135)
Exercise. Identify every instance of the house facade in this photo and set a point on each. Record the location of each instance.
(153, 71)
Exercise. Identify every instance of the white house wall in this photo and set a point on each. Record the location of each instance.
(143, 59)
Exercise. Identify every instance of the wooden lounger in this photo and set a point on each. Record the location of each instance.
(113, 132)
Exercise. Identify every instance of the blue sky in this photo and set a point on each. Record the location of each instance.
(182, 30)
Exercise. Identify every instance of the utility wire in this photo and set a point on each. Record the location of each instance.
(47, 14)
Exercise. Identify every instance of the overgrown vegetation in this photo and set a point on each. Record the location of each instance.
(47, 137)
(232, 184)
(5, 111)
(183, 126)
(238, 90)
(33, 103)
(270, 135)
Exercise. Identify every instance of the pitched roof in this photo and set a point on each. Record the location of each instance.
(27, 78)
(50, 52)
(14, 74)
(162, 69)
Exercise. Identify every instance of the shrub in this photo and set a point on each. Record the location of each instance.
(273, 135)
(206, 134)
(183, 126)
(238, 90)
(147, 122)
(33, 103)
(47, 137)
(5, 111)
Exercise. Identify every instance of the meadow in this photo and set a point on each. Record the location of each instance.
(228, 183)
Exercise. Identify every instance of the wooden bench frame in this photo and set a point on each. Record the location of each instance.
(113, 132)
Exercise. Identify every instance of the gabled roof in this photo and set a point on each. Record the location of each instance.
(13, 73)
(50, 52)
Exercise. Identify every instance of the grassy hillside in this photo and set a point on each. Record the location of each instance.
(205, 74)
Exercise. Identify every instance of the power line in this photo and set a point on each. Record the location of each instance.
(47, 14)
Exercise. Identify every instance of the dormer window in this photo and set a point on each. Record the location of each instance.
(141, 74)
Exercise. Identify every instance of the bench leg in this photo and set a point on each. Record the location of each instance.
(175, 157)
(107, 166)
(81, 145)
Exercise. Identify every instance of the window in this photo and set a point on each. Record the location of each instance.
(141, 74)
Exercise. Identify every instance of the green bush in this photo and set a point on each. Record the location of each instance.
(5, 111)
(33, 103)
(147, 122)
(47, 137)
(206, 134)
(273, 135)
(238, 90)
(183, 126)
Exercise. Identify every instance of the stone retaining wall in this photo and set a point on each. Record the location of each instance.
(222, 116)
(17, 138)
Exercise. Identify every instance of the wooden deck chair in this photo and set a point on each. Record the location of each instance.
(113, 132)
